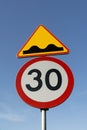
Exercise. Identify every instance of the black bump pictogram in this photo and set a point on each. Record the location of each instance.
(49, 48)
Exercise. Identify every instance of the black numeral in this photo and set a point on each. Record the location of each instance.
(47, 80)
(37, 78)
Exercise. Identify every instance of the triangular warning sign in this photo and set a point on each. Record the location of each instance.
(42, 42)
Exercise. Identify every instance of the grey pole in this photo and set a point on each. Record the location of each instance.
(43, 122)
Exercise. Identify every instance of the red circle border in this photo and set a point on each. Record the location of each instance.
(53, 103)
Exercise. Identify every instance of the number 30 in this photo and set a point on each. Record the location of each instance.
(47, 81)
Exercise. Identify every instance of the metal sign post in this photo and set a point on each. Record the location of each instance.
(43, 119)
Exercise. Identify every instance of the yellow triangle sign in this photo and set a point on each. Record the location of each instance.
(42, 42)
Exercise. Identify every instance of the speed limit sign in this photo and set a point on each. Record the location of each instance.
(44, 82)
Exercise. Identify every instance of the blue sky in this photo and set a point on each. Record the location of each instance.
(67, 20)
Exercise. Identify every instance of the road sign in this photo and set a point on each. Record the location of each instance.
(44, 82)
(42, 42)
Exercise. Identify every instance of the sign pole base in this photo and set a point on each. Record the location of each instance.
(43, 120)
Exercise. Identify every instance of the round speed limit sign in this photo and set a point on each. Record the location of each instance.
(44, 82)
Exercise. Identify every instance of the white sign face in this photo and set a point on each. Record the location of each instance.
(40, 81)
(44, 82)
